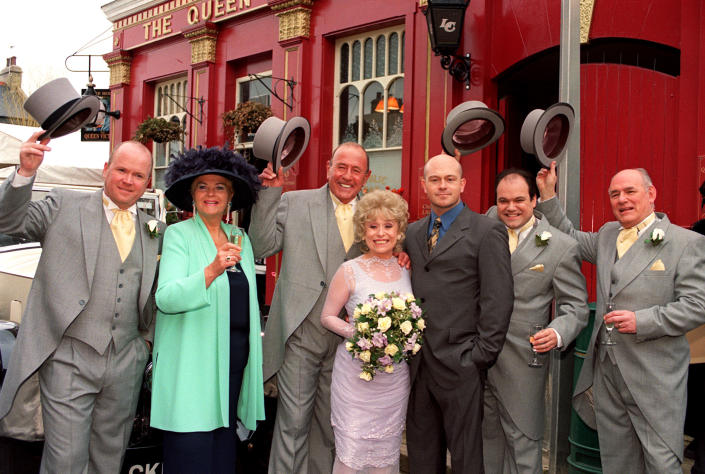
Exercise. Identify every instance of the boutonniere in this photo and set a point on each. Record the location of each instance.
(656, 237)
(543, 238)
(152, 228)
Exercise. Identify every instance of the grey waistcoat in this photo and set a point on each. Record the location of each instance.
(112, 312)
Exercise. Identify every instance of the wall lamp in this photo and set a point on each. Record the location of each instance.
(445, 19)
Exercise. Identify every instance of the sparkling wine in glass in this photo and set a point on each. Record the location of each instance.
(534, 362)
(235, 237)
(609, 326)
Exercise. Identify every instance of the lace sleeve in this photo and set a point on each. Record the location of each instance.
(340, 289)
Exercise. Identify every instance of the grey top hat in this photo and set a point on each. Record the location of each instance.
(545, 133)
(60, 109)
(470, 127)
(282, 143)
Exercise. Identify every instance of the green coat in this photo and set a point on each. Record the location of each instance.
(192, 337)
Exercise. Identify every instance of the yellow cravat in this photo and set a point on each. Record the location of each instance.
(123, 228)
(514, 234)
(627, 237)
(344, 215)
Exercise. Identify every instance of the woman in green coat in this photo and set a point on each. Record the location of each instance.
(207, 346)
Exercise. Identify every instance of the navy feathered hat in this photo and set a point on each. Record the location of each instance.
(190, 164)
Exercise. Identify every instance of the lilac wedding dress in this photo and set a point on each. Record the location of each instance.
(367, 417)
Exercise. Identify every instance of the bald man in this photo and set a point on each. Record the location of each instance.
(461, 271)
(652, 272)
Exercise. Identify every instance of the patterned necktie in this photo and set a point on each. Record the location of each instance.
(435, 232)
(344, 214)
(123, 228)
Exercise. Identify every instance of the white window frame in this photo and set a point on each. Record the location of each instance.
(238, 99)
(166, 108)
(362, 83)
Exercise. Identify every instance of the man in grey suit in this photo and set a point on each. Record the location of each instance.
(86, 316)
(313, 228)
(461, 272)
(652, 271)
(546, 268)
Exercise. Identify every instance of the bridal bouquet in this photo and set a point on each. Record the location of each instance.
(388, 329)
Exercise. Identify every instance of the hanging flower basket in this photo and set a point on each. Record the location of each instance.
(245, 119)
(159, 130)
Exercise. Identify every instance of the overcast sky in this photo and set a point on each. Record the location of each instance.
(41, 34)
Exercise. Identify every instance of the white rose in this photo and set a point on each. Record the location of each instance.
(417, 348)
(365, 356)
(545, 235)
(421, 324)
(384, 323)
(362, 327)
(356, 313)
(410, 298)
(153, 225)
(398, 303)
(366, 308)
(406, 327)
(391, 350)
(658, 234)
(365, 376)
(349, 346)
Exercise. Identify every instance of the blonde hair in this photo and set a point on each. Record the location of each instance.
(380, 203)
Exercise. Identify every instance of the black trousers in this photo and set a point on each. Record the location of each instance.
(440, 418)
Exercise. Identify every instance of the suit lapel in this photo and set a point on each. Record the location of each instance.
(91, 213)
(606, 257)
(150, 249)
(320, 214)
(459, 228)
(421, 237)
(639, 256)
(527, 251)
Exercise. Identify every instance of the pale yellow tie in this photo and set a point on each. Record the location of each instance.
(344, 214)
(514, 234)
(627, 237)
(123, 228)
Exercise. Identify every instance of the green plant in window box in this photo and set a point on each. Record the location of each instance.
(245, 118)
(158, 130)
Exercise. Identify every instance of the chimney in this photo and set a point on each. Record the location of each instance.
(12, 74)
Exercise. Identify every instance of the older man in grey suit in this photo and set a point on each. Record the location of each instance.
(89, 306)
(652, 271)
(546, 268)
(462, 274)
(314, 230)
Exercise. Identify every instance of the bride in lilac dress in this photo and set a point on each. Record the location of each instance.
(368, 417)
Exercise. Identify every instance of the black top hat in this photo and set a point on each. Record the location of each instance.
(196, 162)
(60, 109)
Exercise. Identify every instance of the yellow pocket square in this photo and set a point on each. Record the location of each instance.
(537, 268)
(658, 266)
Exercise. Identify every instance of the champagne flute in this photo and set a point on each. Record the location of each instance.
(235, 237)
(609, 326)
(534, 362)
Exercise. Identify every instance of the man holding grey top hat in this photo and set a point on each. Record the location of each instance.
(90, 307)
(314, 230)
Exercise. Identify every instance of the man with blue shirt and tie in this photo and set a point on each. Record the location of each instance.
(461, 272)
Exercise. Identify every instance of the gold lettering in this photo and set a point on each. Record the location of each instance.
(166, 24)
(230, 6)
(156, 28)
(246, 2)
(146, 31)
(192, 16)
(219, 8)
(206, 10)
